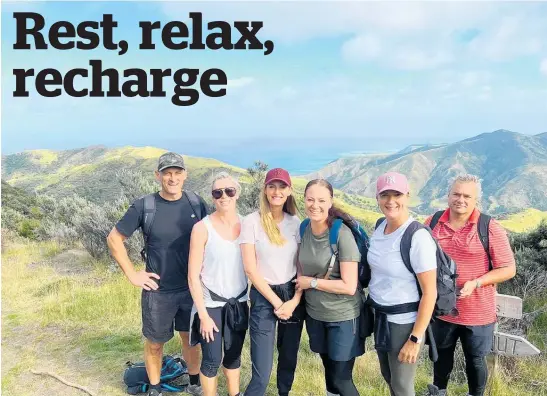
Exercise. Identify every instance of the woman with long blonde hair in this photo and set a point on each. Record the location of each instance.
(269, 251)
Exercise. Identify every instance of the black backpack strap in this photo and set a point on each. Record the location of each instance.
(378, 222)
(406, 243)
(435, 219)
(483, 228)
(149, 211)
(195, 203)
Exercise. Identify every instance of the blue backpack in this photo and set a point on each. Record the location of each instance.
(136, 378)
(361, 238)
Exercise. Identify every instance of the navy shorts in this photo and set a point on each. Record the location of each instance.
(339, 340)
(164, 312)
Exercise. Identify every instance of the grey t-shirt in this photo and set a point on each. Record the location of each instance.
(314, 256)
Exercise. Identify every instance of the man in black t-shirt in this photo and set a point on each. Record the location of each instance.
(166, 298)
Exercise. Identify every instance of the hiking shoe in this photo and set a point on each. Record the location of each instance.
(433, 390)
(194, 390)
(154, 392)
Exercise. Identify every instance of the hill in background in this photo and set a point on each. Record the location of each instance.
(513, 168)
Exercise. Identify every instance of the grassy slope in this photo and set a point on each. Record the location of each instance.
(85, 327)
(70, 176)
(524, 221)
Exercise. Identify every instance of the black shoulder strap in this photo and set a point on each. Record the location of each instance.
(406, 243)
(435, 219)
(149, 208)
(193, 199)
(483, 227)
(378, 222)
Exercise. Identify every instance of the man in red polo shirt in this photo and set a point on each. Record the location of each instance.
(457, 234)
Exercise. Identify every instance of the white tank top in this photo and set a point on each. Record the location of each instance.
(222, 271)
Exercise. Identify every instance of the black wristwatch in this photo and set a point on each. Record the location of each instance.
(415, 339)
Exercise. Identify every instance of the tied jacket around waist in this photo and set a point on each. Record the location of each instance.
(235, 317)
(375, 318)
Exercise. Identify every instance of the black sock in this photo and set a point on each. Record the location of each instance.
(194, 379)
(156, 387)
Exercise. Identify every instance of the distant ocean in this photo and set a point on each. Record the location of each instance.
(297, 156)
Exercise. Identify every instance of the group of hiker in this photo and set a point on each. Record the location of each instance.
(322, 271)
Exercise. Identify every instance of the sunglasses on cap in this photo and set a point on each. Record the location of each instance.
(219, 192)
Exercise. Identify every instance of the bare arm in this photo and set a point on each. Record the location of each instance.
(498, 275)
(198, 239)
(115, 242)
(195, 263)
(428, 284)
(249, 261)
(346, 285)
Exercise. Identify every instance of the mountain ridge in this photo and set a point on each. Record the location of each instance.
(513, 168)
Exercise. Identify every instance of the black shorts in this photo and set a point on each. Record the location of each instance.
(160, 311)
(476, 340)
(341, 341)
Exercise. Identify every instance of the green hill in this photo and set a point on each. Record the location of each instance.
(93, 173)
(512, 166)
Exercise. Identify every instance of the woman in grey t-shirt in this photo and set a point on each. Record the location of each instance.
(333, 303)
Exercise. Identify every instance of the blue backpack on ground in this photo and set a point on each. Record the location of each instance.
(136, 378)
(361, 238)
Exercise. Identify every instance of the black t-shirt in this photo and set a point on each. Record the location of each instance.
(169, 239)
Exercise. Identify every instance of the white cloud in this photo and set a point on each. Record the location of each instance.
(407, 35)
(417, 59)
(543, 66)
(509, 37)
(474, 78)
(361, 48)
(240, 82)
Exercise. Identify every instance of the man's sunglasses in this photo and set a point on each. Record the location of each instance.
(230, 192)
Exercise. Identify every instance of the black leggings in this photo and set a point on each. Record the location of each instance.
(339, 376)
(475, 368)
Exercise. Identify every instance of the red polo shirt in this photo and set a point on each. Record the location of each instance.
(465, 248)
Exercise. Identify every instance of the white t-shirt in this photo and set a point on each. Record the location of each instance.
(391, 283)
(277, 264)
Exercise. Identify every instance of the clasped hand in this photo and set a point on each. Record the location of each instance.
(285, 311)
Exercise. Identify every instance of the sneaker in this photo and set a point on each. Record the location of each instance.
(433, 390)
(154, 392)
(194, 390)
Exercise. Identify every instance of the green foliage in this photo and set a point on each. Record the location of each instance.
(27, 228)
(250, 195)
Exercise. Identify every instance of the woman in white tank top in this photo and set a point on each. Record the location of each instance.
(219, 286)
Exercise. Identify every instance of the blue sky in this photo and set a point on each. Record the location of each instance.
(344, 76)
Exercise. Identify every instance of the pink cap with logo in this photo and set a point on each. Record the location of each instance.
(392, 181)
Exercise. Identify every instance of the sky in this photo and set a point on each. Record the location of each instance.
(343, 77)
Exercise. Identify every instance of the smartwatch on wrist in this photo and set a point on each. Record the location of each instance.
(415, 339)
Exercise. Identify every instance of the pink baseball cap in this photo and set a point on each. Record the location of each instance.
(279, 175)
(392, 181)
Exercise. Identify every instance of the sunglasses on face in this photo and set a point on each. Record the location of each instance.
(219, 192)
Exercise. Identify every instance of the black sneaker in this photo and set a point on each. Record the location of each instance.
(154, 392)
